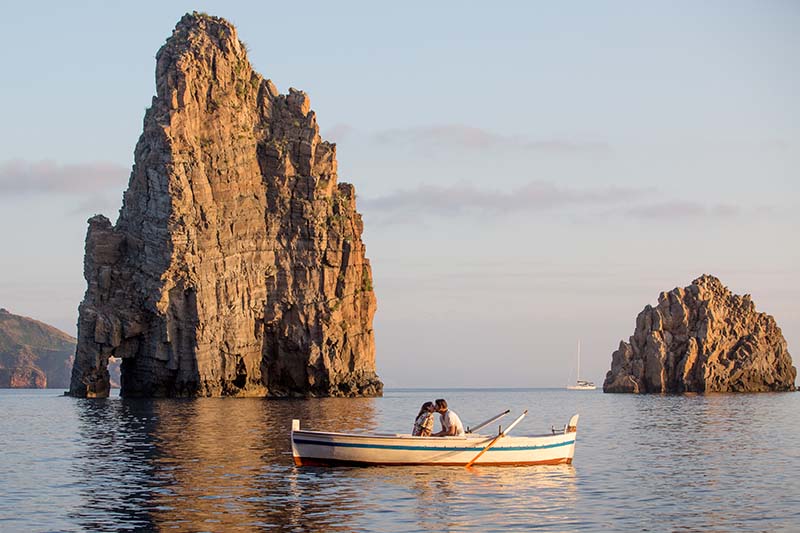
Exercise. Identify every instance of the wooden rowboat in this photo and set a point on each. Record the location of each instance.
(328, 448)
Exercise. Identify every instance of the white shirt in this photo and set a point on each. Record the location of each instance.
(450, 419)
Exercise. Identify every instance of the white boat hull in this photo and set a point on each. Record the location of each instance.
(323, 448)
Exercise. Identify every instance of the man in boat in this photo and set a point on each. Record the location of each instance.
(451, 423)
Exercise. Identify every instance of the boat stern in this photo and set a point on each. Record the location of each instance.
(295, 453)
(572, 427)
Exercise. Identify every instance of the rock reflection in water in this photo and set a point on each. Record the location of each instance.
(115, 470)
(225, 464)
(215, 464)
(655, 463)
(211, 452)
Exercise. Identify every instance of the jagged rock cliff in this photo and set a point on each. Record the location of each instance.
(702, 338)
(33, 355)
(236, 266)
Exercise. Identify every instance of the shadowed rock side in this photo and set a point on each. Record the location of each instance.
(33, 355)
(236, 266)
(702, 338)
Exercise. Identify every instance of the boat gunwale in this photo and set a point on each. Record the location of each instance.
(473, 437)
(504, 447)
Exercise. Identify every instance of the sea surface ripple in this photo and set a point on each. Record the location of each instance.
(642, 463)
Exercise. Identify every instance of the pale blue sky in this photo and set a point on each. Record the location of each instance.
(529, 173)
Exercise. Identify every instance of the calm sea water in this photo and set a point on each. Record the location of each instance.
(642, 463)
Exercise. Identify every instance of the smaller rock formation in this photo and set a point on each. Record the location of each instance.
(33, 355)
(702, 338)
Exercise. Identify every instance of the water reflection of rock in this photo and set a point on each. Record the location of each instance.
(211, 464)
(114, 474)
(235, 470)
(225, 464)
(321, 499)
(335, 414)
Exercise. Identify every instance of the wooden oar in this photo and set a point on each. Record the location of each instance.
(497, 438)
(484, 424)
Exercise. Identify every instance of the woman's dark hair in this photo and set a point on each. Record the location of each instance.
(425, 408)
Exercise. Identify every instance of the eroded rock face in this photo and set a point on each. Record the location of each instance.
(236, 266)
(702, 338)
(33, 355)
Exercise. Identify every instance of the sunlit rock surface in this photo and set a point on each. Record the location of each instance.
(236, 266)
(702, 338)
(33, 355)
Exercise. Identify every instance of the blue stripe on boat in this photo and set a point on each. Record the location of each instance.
(430, 448)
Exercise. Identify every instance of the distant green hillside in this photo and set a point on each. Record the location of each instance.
(33, 354)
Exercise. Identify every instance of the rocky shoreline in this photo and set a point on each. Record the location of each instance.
(33, 355)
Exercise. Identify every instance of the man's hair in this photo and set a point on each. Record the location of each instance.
(441, 403)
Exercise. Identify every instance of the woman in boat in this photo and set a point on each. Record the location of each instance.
(423, 425)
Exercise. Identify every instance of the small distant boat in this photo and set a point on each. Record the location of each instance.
(314, 448)
(581, 384)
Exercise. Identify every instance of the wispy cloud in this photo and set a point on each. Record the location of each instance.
(95, 203)
(20, 177)
(338, 132)
(585, 205)
(534, 196)
(470, 137)
(436, 137)
(682, 210)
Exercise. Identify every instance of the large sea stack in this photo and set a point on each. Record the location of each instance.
(236, 266)
(702, 338)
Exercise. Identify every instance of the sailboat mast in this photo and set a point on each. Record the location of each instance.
(579, 361)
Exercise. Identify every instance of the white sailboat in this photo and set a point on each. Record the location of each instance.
(581, 384)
